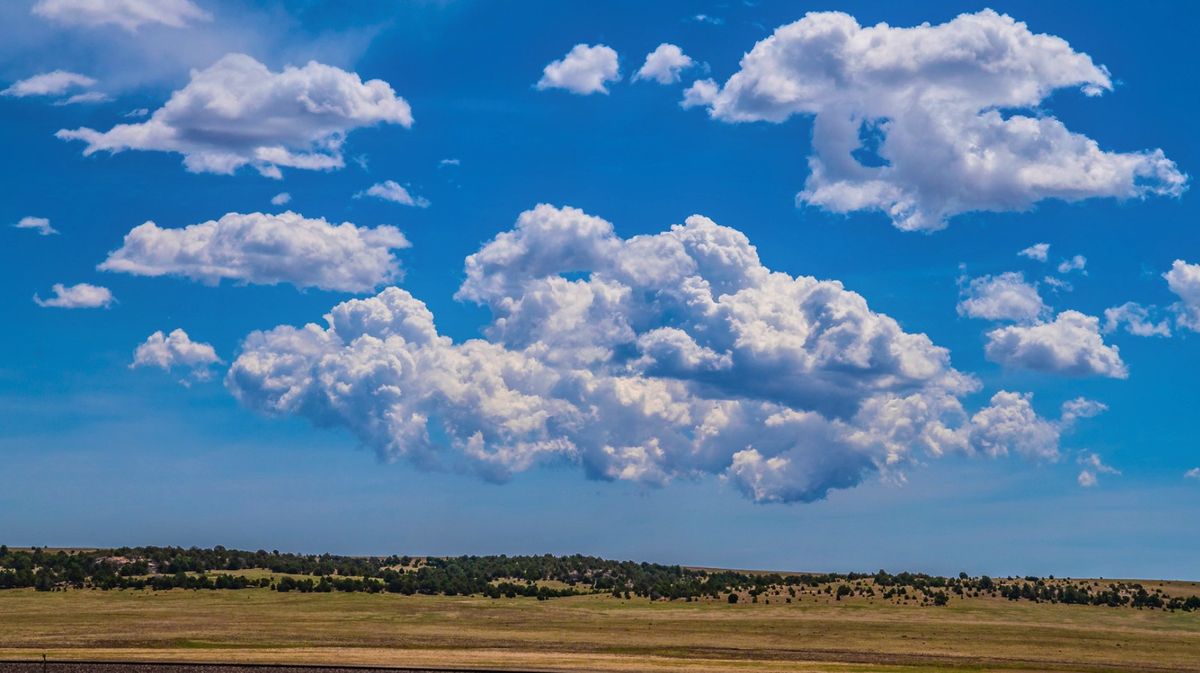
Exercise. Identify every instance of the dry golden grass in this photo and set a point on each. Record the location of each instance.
(592, 632)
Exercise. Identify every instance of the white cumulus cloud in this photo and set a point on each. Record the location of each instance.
(237, 112)
(81, 295)
(1002, 297)
(1076, 263)
(652, 358)
(264, 249)
(176, 351)
(390, 190)
(1057, 284)
(1080, 407)
(1010, 424)
(664, 64)
(1071, 345)
(1137, 320)
(1092, 467)
(128, 14)
(584, 70)
(1184, 280)
(39, 224)
(1193, 473)
(927, 122)
(1037, 252)
(48, 84)
(280, 199)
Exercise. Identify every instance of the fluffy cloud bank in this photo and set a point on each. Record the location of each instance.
(584, 70)
(265, 249)
(176, 351)
(128, 14)
(652, 358)
(664, 64)
(932, 96)
(82, 295)
(237, 113)
(1071, 344)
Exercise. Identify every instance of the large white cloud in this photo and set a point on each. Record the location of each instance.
(176, 351)
(586, 69)
(664, 64)
(944, 106)
(128, 14)
(48, 84)
(1184, 280)
(264, 249)
(81, 295)
(1002, 297)
(1071, 344)
(648, 359)
(237, 113)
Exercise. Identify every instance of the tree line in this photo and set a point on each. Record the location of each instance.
(501, 576)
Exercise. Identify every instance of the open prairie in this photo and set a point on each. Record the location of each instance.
(593, 632)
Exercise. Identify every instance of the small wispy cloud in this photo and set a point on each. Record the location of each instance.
(85, 97)
(1076, 263)
(1037, 252)
(1092, 467)
(39, 224)
(82, 295)
(48, 84)
(390, 190)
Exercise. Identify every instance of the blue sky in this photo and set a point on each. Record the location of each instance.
(96, 452)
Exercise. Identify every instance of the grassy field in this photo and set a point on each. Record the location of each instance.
(592, 632)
